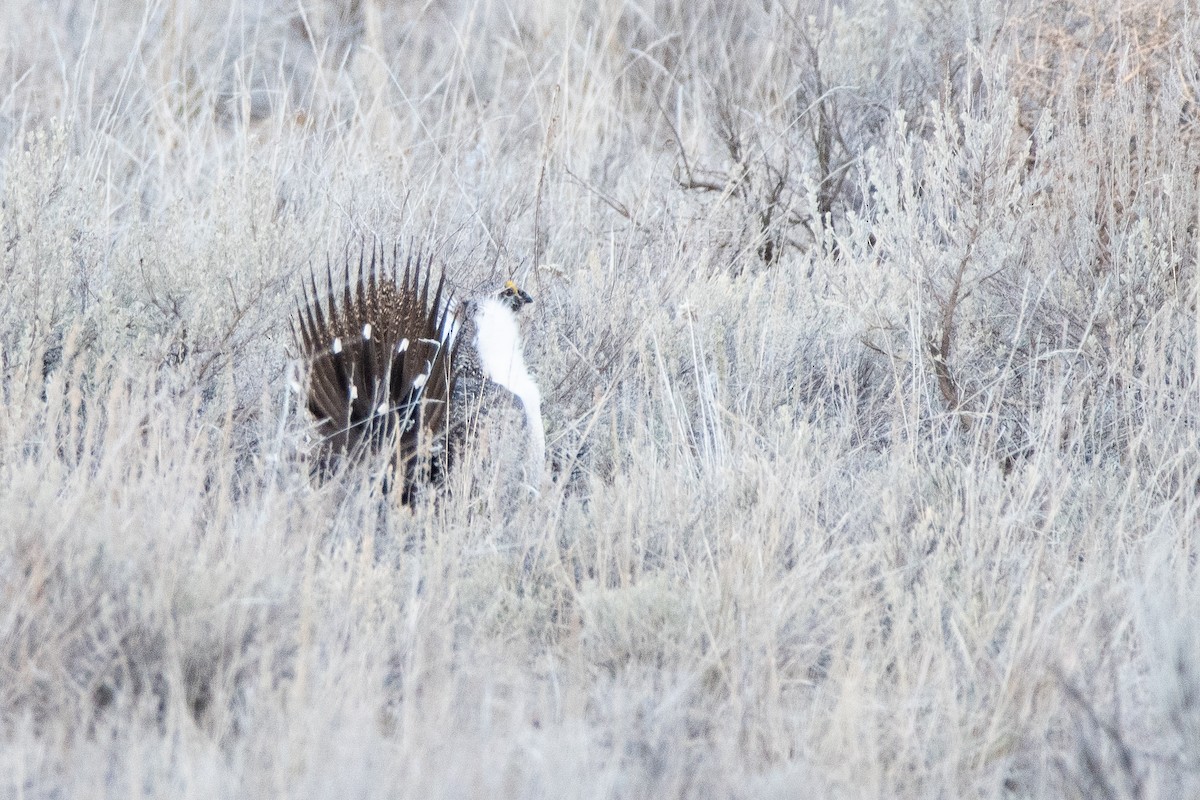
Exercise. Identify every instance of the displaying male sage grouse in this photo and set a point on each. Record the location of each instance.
(396, 364)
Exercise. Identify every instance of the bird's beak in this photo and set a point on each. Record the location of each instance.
(524, 297)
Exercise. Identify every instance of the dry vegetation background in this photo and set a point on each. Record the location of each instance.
(868, 334)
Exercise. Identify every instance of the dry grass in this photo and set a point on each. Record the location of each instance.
(868, 340)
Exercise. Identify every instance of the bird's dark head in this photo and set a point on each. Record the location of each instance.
(514, 296)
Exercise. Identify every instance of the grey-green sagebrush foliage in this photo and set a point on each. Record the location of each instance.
(867, 341)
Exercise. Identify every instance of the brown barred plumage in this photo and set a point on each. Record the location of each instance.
(381, 362)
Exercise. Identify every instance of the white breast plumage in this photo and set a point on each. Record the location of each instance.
(498, 342)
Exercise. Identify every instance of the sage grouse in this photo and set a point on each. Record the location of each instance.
(396, 362)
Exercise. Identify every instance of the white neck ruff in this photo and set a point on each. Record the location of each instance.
(498, 342)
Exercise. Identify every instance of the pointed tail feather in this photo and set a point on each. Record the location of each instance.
(380, 375)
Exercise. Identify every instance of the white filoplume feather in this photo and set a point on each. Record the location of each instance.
(498, 342)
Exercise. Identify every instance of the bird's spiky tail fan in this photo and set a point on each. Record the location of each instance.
(381, 364)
